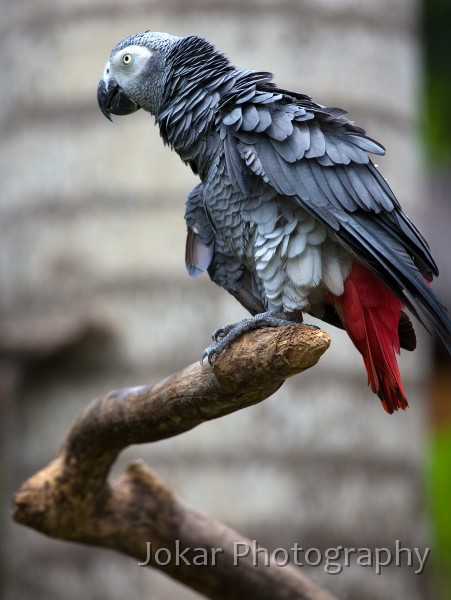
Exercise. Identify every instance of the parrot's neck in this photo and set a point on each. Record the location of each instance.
(187, 125)
(199, 78)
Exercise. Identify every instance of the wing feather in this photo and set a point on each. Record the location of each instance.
(318, 159)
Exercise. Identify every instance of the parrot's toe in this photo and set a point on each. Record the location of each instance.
(220, 333)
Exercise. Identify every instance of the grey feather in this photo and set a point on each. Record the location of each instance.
(264, 119)
(250, 118)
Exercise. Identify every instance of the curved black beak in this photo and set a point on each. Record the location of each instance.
(112, 100)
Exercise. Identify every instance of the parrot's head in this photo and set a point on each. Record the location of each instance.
(134, 76)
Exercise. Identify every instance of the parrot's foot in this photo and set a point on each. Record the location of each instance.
(223, 337)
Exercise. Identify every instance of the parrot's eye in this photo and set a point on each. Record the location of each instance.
(127, 59)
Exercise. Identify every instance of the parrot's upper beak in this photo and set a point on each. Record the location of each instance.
(112, 100)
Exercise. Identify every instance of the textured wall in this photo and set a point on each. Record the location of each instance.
(94, 295)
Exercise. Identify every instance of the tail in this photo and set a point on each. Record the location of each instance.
(370, 313)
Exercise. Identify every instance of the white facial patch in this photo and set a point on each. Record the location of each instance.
(131, 59)
(106, 73)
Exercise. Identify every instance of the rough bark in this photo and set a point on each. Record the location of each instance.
(72, 498)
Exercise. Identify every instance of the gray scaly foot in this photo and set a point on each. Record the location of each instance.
(223, 337)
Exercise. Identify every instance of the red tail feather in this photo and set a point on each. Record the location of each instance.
(370, 313)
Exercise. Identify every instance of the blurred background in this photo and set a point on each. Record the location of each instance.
(94, 293)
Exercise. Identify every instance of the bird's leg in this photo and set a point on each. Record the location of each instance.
(224, 336)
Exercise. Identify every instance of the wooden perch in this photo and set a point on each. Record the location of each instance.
(72, 498)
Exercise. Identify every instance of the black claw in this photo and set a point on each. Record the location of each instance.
(209, 352)
(217, 333)
(221, 333)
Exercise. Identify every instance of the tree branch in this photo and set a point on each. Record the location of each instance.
(137, 513)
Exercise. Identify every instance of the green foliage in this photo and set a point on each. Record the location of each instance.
(437, 53)
(439, 499)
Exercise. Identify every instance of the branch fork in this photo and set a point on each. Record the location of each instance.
(137, 513)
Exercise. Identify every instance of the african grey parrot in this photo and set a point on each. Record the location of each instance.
(291, 215)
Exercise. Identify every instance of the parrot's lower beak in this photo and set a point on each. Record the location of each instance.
(113, 100)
